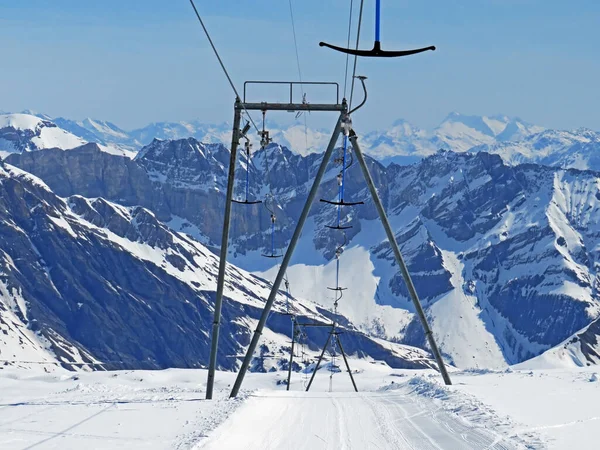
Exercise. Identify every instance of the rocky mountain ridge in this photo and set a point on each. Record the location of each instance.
(503, 257)
(86, 282)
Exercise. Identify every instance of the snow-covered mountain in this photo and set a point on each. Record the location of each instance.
(89, 281)
(578, 149)
(461, 133)
(203, 132)
(580, 350)
(100, 132)
(25, 132)
(503, 257)
(403, 143)
(28, 132)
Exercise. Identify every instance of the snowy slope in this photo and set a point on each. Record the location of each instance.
(99, 131)
(22, 347)
(393, 419)
(511, 409)
(580, 350)
(25, 132)
(19, 346)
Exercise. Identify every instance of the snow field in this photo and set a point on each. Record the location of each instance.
(511, 409)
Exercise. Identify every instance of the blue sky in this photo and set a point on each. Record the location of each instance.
(138, 61)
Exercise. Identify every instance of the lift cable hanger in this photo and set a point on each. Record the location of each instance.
(377, 51)
(341, 177)
(273, 220)
(265, 140)
(247, 147)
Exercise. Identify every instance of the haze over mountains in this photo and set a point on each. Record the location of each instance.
(514, 139)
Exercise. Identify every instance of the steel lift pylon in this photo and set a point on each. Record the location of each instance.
(343, 123)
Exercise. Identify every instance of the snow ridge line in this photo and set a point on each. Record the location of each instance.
(469, 409)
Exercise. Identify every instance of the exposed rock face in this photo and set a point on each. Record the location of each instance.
(504, 258)
(589, 342)
(186, 179)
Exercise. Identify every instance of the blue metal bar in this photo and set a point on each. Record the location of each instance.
(377, 19)
(272, 237)
(341, 189)
(247, 174)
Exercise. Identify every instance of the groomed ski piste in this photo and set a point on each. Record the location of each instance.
(516, 408)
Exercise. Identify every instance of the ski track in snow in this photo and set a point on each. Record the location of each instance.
(373, 420)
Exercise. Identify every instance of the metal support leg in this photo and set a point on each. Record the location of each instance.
(212, 365)
(288, 255)
(321, 357)
(399, 260)
(289, 379)
(339, 341)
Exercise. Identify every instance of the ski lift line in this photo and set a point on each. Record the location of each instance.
(347, 55)
(360, 15)
(264, 142)
(377, 20)
(337, 279)
(237, 95)
(272, 255)
(333, 334)
(296, 46)
(320, 357)
(346, 362)
(299, 76)
(291, 361)
(344, 203)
